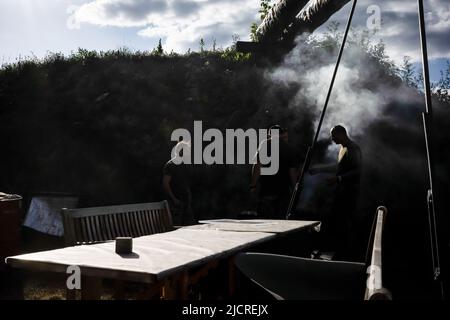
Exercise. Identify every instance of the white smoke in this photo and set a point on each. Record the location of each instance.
(352, 104)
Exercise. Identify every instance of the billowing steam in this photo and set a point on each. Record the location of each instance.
(351, 100)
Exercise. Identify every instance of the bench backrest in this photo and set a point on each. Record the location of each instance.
(90, 225)
(374, 285)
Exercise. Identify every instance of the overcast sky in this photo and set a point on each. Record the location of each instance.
(35, 27)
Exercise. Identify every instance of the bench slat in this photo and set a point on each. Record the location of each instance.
(140, 223)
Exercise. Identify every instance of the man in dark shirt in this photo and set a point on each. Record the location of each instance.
(275, 190)
(339, 227)
(177, 185)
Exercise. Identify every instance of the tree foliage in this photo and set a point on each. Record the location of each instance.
(264, 8)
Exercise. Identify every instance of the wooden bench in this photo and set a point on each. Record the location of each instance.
(99, 224)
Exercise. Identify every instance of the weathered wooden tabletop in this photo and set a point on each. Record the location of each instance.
(256, 225)
(158, 256)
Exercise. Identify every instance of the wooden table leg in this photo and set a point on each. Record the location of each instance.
(170, 288)
(231, 278)
(177, 287)
(119, 290)
(71, 294)
(183, 286)
(91, 288)
(14, 282)
(154, 290)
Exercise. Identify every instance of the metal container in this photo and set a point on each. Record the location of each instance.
(10, 225)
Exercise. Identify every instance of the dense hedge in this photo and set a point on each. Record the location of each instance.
(100, 125)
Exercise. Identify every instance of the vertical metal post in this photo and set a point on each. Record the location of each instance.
(428, 130)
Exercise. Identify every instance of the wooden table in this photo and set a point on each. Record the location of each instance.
(165, 258)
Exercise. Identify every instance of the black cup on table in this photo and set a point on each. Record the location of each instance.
(124, 245)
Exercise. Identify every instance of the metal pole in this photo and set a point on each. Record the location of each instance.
(428, 126)
(299, 185)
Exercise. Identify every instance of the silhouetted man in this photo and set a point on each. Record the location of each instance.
(275, 190)
(339, 227)
(177, 185)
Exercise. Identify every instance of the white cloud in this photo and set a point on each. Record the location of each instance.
(181, 23)
(400, 29)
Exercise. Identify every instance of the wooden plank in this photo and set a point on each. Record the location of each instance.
(140, 224)
(253, 47)
(130, 217)
(84, 233)
(78, 232)
(167, 221)
(127, 224)
(38, 266)
(136, 223)
(100, 228)
(281, 227)
(109, 234)
(112, 226)
(88, 228)
(120, 225)
(146, 222)
(159, 221)
(69, 229)
(117, 225)
(152, 221)
(95, 230)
